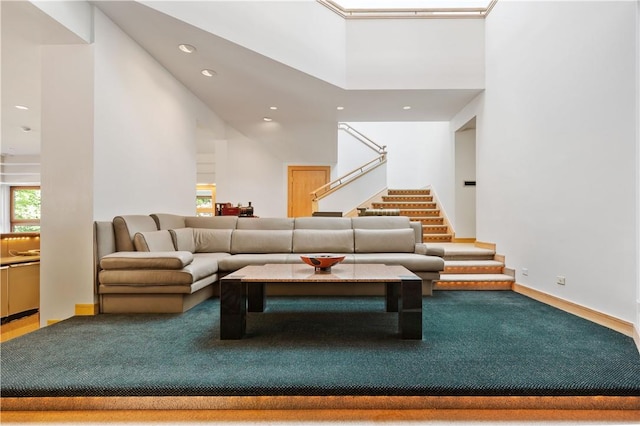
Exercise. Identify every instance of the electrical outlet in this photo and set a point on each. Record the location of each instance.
(560, 280)
(525, 272)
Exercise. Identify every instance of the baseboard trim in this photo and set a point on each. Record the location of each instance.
(87, 309)
(636, 338)
(605, 320)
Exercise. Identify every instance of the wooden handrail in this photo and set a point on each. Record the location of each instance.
(334, 185)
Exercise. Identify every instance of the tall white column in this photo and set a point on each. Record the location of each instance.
(66, 269)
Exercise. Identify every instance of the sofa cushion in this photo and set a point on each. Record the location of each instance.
(212, 240)
(199, 269)
(380, 222)
(322, 241)
(265, 223)
(168, 221)
(146, 260)
(258, 241)
(183, 239)
(153, 241)
(237, 261)
(322, 222)
(125, 227)
(384, 240)
(211, 222)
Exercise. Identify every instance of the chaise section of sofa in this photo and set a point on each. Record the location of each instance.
(169, 263)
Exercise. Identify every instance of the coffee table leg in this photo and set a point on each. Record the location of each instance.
(410, 309)
(392, 294)
(233, 308)
(256, 297)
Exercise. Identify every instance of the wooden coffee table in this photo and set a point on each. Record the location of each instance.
(244, 290)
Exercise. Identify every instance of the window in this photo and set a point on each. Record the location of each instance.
(25, 209)
(205, 199)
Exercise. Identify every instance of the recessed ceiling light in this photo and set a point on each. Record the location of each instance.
(267, 119)
(406, 107)
(187, 48)
(22, 107)
(340, 108)
(208, 73)
(273, 108)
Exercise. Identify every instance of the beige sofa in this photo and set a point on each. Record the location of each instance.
(170, 263)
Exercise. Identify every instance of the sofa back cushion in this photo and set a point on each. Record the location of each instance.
(153, 241)
(261, 241)
(384, 240)
(318, 222)
(168, 221)
(323, 241)
(183, 239)
(212, 240)
(211, 222)
(125, 228)
(265, 223)
(380, 222)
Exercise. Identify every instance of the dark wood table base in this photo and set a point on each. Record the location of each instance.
(239, 296)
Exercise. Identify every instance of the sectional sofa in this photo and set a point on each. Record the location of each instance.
(170, 263)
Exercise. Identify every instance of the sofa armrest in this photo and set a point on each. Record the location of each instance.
(146, 260)
(422, 248)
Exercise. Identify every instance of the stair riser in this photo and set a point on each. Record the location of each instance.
(427, 229)
(420, 213)
(472, 285)
(436, 238)
(473, 270)
(404, 205)
(468, 257)
(409, 192)
(401, 198)
(435, 221)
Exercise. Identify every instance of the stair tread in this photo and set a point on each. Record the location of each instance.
(472, 263)
(457, 249)
(476, 277)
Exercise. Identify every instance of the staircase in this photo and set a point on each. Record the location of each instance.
(467, 267)
(419, 206)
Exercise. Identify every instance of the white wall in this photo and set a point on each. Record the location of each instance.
(352, 153)
(354, 194)
(420, 154)
(246, 171)
(415, 54)
(556, 149)
(145, 131)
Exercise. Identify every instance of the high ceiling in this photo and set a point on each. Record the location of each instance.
(246, 83)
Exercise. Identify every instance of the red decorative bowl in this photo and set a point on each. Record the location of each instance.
(322, 262)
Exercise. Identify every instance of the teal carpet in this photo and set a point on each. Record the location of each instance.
(481, 343)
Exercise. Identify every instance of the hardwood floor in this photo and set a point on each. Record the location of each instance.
(324, 416)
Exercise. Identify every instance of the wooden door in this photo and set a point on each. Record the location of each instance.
(302, 180)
